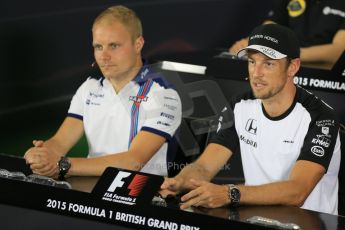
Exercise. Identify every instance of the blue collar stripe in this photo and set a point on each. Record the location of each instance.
(143, 91)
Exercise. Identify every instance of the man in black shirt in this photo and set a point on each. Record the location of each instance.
(318, 24)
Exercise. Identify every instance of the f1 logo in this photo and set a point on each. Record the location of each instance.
(117, 182)
(135, 186)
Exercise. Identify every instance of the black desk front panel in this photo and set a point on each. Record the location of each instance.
(62, 206)
(43, 205)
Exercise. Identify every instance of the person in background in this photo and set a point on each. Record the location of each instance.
(128, 118)
(319, 25)
(288, 138)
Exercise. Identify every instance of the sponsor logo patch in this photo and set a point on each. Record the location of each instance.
(251, 126)
(170, 98)
(288, 141)
(325, 130)
(220, 120)
(323, 140)
(317, 151)
(138, 99)
(324, 123)
(170, 107)
(169, 116)
(248, 141)
(162, 123)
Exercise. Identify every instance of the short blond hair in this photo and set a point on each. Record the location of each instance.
(125, 16)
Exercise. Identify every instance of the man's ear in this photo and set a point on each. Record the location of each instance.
(139, 43)
(294, 66)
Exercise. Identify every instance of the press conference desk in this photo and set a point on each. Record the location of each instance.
(12, 217)
(286, 214)
(24, 206)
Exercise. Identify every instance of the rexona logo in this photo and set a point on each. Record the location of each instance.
(125, 190)
(318, 151)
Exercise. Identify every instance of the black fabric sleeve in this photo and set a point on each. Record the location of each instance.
(319, 143)
(226, 134)
(279, 13)
(342, 25)
(227, 138)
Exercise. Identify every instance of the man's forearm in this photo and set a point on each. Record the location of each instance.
(277, 193)
(55, 147)
(328, 53)
(193, 171)
(95, 166)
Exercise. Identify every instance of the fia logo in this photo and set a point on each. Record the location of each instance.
(135, 186)
(251, 126)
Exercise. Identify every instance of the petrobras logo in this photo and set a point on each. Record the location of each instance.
(123, 190)
(317, 151)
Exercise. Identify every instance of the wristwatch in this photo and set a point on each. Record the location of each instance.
(64, 165)
(234, 195)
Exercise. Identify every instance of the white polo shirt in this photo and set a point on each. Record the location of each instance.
(270, 146)
(111, 120)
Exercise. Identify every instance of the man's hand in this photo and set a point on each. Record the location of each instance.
(41, 160)
(206, 194)
(170, 186)
(240, 44)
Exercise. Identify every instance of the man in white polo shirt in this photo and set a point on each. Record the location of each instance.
(128, 115)
(288, 138)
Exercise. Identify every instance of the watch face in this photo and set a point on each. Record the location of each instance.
(235, 195)
(64, 165)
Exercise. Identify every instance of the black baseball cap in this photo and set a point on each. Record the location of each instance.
(273, 40)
